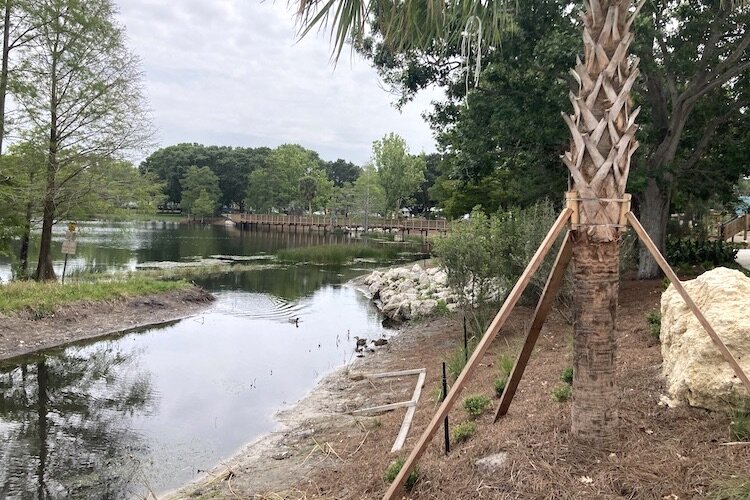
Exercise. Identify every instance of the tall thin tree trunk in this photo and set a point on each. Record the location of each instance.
(654, 211)
(602, 131)
(23, 254)
(4, 69)
(44, 269)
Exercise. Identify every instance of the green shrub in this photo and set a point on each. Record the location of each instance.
(441, 308)
(706, 253)
(739, 426)
(437, 393)
(392, 471)
(463, 431)
(654, 323)
(562, 393)
(500, 384)
(506, 364)
(476, 405)
(567, 375)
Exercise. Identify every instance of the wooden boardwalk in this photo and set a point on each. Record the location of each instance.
(326, 223)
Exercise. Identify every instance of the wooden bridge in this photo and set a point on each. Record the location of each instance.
(331, 222)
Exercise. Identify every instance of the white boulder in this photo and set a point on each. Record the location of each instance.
(696, 372)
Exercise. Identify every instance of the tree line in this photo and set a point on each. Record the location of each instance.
(203, 180)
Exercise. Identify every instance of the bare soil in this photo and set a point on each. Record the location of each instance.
(323, 452)
(21, 334)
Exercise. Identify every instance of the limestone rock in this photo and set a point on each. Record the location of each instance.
(492, 463)
(695, 370)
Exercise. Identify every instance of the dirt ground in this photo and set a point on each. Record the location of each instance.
(324, 452)
(21, 335)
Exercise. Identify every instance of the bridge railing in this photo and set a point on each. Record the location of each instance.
(735, 226)
(412, 223)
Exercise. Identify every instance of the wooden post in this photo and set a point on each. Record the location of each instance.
(478, 354)
(556, 276)
(571, 202)
(646, 239)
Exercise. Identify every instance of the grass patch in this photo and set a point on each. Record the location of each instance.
(739, 426)
(500, 384)
(463, 431)
(456, 363)
(506, 364)
(42, 299)
(340, 254)
(562, 393)
(476, 405)
(654, 323)
(567, 375)
(733, 489)
(392, 471)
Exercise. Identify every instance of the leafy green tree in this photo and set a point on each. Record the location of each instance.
(204, 205)
(232, 166)
(198, 180)
(277, 185)
(308, 190)
(78, 86)
(399, 173)
(341, 172)
(368, 194)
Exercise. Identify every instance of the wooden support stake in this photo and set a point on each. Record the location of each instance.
(571, 202)
(406, 424)
(543, 307)
(624, 209)
(476, 357)
(646, 239)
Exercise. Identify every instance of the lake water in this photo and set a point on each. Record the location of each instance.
(150, 409)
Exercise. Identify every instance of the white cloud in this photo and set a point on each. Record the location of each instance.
(232, 72)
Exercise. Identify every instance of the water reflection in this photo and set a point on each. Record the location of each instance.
(149, 409)
(61, 422)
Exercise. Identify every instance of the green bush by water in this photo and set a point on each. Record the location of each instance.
(707, 253)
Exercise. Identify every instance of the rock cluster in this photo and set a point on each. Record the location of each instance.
(403, 294)
(695, 370)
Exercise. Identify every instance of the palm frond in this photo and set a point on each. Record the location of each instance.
(405, 24)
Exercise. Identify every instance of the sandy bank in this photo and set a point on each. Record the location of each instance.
(86, 320)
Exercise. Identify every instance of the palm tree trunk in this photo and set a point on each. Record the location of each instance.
(602, 131)
(596, 280)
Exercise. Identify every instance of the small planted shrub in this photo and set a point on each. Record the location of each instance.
(654, 323)
(456, 362)
(739, 426)
(506, 364)
(437, 393)
(567, 375)
(709, 254)
(463, 431)
(476, 405)
(562, 393)
(441, 308)
(500, 384)
(392, 471)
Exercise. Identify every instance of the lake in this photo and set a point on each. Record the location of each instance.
(148, 410)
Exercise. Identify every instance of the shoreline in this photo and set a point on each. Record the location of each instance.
(86, 321)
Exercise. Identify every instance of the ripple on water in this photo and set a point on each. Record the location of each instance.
(260, 306)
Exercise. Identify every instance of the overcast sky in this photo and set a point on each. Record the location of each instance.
(231, 72)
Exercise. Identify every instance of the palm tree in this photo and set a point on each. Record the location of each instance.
(602, 128)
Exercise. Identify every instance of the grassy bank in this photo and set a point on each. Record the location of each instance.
(44, 298)
(340, 254)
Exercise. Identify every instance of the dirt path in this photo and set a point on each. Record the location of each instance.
(20, 335)
(324, 452)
